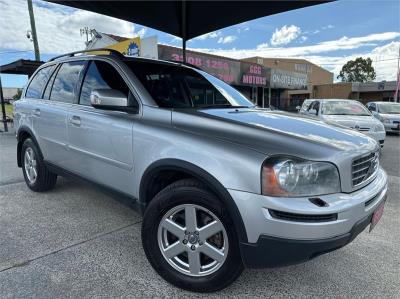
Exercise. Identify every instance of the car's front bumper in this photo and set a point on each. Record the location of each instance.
(269, 236)
(392, 127)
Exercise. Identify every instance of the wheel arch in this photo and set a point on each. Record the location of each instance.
(24, 133)
(189, 170)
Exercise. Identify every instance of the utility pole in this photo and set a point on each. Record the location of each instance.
(33, 30)
(86, 31)
(396, 93)
(3, 108)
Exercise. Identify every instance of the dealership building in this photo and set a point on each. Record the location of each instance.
(282, 83)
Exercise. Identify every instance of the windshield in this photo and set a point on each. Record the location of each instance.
(178, 87)
(344, 108)
(389, 108)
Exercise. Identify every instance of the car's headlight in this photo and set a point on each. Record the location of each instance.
(293, 177)
(379, 128)
(384, 120)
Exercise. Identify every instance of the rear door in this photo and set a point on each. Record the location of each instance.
(101, 141)
(51, 124)
(34, 102)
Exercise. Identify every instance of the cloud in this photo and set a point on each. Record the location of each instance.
(142, 32)
(213, 34)
(320, 53)
(227, 39)
(303, 39)
(57, 26)
(328, 27)
(240, 30)
(285, 35)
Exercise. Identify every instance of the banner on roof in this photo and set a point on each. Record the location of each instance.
(129, 47)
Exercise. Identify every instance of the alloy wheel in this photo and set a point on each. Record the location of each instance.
(193, 240)
(30, 165)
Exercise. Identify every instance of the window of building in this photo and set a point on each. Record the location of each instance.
(36, 86)
(65, 83)
(101, 75)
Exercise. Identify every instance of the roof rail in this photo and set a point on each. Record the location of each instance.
(71, 54)
(185, 64)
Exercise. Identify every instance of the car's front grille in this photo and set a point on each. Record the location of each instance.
(362, 168)
(302, 217)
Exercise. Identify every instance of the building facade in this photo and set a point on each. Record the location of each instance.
(265, 84)
(364, 92)
(268, 82)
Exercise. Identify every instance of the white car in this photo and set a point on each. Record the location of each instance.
(347, 113)
(388, 113)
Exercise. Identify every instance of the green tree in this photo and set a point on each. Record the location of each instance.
(359, 70)
(17, 96)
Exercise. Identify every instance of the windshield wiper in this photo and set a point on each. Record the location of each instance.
(219, 106)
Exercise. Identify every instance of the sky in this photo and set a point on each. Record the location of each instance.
(328, 35)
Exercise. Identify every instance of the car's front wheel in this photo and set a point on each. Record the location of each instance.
(189, 238)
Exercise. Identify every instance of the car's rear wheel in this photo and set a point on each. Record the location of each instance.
(37, 176)
(189, 238)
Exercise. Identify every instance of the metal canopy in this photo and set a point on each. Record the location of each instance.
(21, 67)
(18, 67)
(185, 18)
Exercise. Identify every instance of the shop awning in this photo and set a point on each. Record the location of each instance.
(21, 67)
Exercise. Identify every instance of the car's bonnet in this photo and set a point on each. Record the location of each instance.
(352, 120)
(272, 132)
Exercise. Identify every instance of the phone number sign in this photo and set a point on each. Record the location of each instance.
(224, 69)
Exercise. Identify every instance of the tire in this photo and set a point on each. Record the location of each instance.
(37, 176)
(190, 194)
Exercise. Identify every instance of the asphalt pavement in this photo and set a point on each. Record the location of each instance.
(75, 241)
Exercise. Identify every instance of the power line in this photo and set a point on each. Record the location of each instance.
(12, 52)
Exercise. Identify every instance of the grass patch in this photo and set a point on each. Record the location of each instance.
(9, 110)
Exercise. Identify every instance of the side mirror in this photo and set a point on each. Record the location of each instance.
(298, 108)
(110, 99)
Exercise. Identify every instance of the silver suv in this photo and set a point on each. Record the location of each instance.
(221, 183)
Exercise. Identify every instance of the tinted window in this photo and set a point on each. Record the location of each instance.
(64, 86)
(179, 87)
(203, 93)
(35, 88)
(101, 75)
(46, 94)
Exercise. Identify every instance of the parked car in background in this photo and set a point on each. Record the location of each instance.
(303, 108)
(388, 113)
(221, 184)
(348, 113)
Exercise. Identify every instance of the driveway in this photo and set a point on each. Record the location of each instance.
(75, 241)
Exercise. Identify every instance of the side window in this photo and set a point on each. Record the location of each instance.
(312, 106)
(306, 104)
(316, 106)
(203, 93)
(372, 107)
(47, 90)
(102, 75)
(36, 86)
(65, 83)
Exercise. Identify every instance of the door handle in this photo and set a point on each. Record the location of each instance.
(36, 112)
(75, 120)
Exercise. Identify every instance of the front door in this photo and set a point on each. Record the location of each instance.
(101, 141)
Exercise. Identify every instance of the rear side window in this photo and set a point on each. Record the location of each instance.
(36, 86)
(101, 75)
(65, 83)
